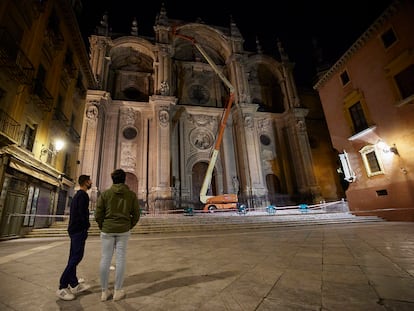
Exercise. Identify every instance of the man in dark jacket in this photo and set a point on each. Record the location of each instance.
(78, 227)
(117, 212)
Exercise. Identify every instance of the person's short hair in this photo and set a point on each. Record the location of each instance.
(118, 176)
(83, 178)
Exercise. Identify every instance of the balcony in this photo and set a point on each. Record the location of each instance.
(74, 135)
(9, 130)
(70, 69)
(13, 61)
(42, 98)
(54, 38)
(60, 118)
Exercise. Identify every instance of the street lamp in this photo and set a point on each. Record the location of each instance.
(52, 153)
(59, 144)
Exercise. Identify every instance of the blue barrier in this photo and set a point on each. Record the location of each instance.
(303, 208)
(271, 209)
(241, 209)
(188, 211)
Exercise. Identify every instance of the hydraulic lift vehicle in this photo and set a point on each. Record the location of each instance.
(223, 201)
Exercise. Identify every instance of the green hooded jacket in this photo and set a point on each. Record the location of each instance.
(117, 209)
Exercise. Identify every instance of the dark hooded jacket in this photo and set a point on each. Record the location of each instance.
(117, 209)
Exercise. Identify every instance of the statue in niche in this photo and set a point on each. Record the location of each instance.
(236, 185)
(165, 88)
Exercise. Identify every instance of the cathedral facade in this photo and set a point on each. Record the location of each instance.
(159, 105)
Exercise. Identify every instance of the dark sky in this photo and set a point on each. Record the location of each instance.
(335, 24)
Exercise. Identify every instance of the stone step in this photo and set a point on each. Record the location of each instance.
(216, 222)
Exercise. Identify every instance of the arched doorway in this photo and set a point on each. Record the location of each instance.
(198, 174)
(273, 187)
(132, 182)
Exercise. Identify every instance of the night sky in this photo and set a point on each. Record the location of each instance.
(334, 24)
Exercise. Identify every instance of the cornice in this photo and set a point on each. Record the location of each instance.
(359, 43)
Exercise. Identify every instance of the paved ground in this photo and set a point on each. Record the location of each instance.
(331, 267)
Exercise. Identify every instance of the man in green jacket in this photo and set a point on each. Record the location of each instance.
(117, 212)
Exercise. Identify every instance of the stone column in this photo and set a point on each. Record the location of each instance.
(160, 188)
(301, 154)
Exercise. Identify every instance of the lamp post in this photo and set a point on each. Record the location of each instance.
(52, 151)
(59, 144)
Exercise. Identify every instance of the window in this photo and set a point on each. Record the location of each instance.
(13, 27)
(2, 94)
(358, 118)
(29, 137)
(388, 38)
(400, 72)
(405, 81)
(344, 78)
(40, 80)
(372, 161)
(356, 112)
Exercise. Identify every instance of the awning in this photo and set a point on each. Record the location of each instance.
(29, 171)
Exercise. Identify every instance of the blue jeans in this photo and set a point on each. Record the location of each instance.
(113, 243)
(77, 249)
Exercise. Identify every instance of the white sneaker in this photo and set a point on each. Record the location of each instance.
(65, 294)
(105, 295)
(119, 294)
(81, 287)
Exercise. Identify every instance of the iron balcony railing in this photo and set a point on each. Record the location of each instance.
(42, 97)
(9, 128)
(13, 60)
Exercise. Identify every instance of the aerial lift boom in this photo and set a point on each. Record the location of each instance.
(224, 200)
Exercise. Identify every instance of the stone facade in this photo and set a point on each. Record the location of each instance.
(158, 108)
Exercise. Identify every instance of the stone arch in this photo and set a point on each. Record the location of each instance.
(197, 175)
(197, 83)
(212, 39)
(266, 83)
(131, 71)
(273, 187)
(216, 179)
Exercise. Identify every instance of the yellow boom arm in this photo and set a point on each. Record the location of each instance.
(207, 178)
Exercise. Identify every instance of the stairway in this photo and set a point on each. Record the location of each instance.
(203, 222)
